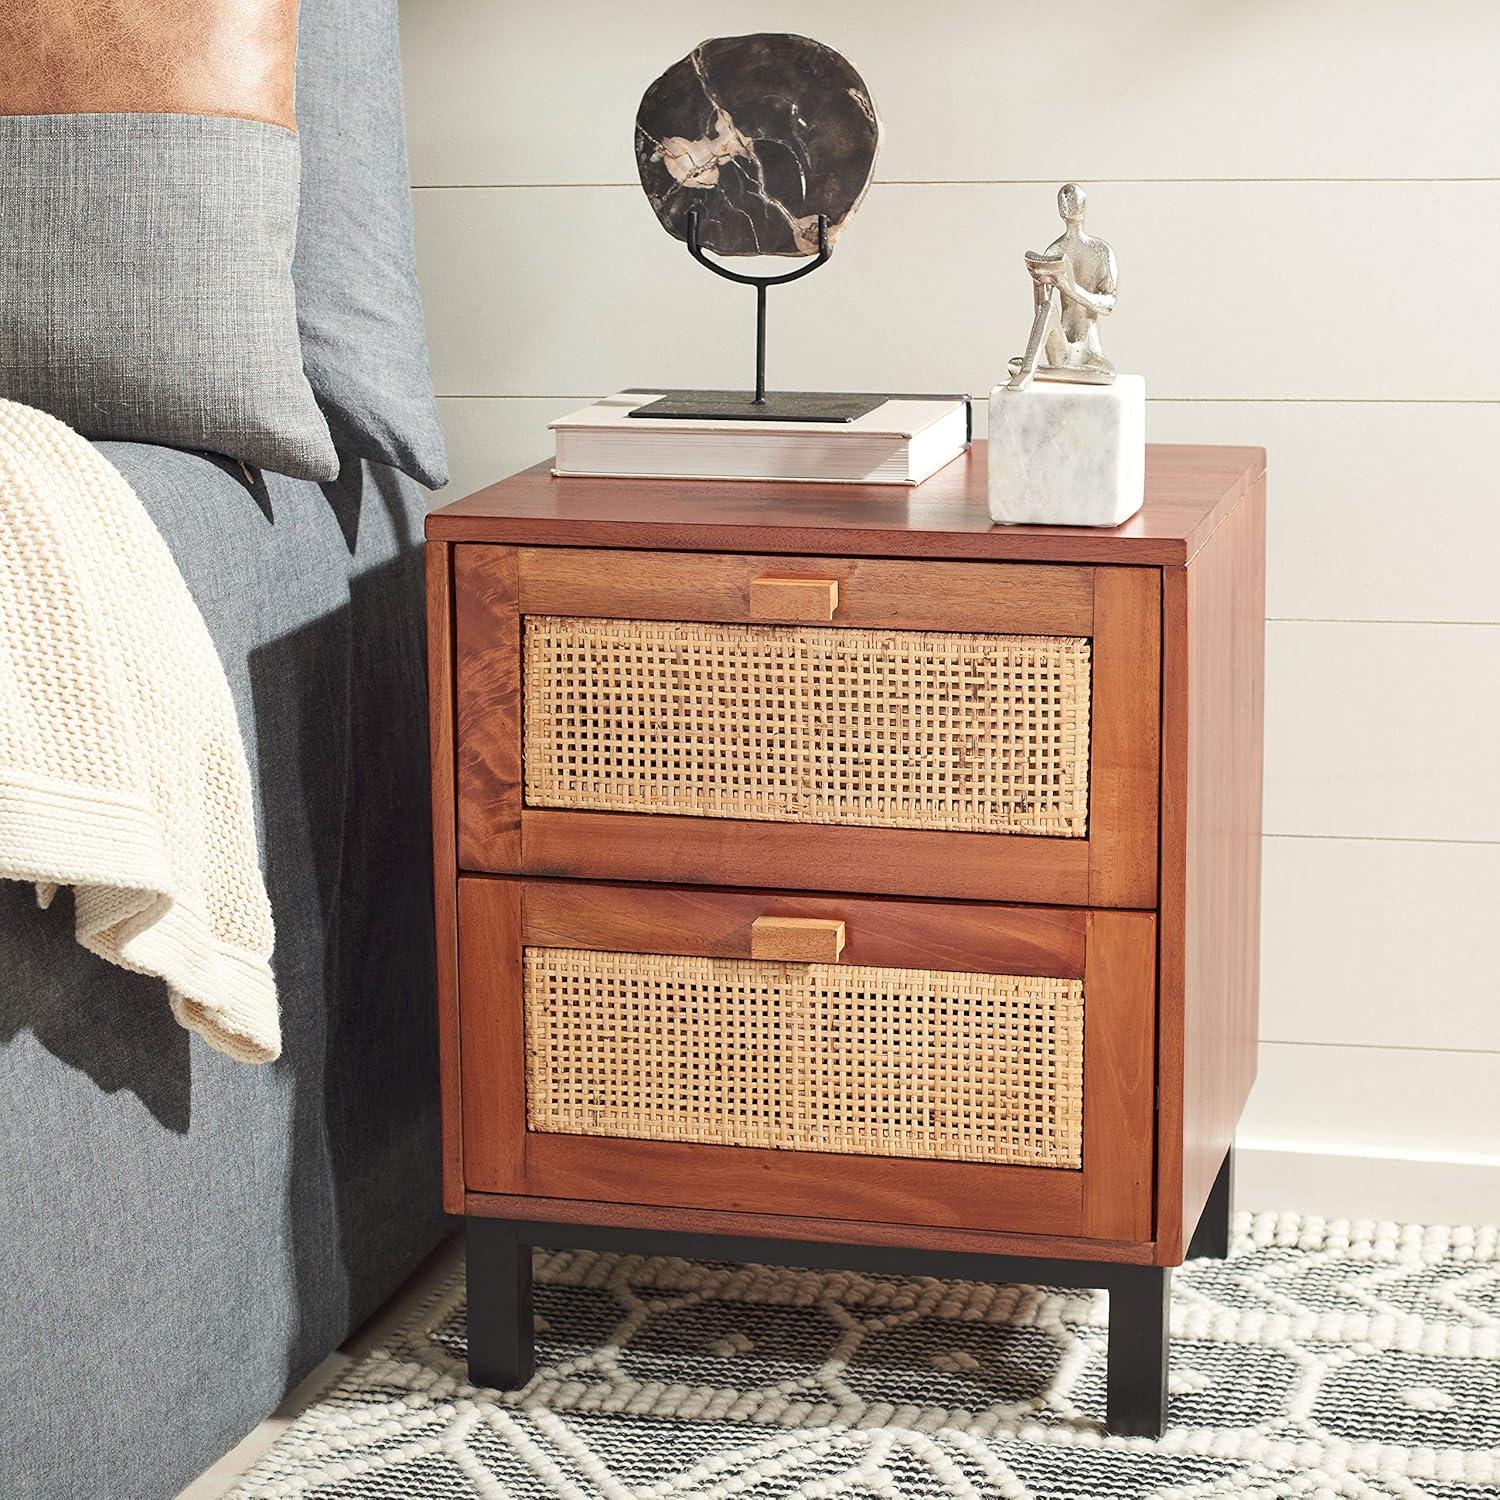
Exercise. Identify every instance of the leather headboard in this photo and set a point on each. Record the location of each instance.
(193, 57)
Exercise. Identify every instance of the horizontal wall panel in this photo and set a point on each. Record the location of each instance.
(1386, 944)
(1383, 731)
(1369, 1098)
(1374, 511)
(981, 89)
(534, 291)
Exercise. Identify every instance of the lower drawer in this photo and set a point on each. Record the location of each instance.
(887, 1060)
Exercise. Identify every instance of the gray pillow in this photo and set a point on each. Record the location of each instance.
(145, 286)
(357, 301)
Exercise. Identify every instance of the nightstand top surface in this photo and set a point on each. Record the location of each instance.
(1189, 490)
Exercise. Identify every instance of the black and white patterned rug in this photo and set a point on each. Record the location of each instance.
(1351, 1360)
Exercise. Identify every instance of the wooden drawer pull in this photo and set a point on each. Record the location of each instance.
(799, 599)
(798, 940)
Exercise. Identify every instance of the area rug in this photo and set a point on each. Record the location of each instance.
(1354, 1360)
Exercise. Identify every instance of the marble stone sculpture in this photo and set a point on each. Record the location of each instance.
(1069, 450)
(760, 134)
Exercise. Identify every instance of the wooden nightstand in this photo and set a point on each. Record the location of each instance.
(834, 878)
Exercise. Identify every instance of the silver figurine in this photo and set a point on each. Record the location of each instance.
(1078, 271)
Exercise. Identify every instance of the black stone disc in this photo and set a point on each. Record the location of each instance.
(760, 134)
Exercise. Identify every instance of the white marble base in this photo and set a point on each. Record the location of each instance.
(1068, 455)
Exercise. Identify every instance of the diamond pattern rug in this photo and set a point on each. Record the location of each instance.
(1322, 1359)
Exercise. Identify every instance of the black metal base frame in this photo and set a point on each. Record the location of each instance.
(501, 1349)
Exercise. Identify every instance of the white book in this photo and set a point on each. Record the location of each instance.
(902, 441)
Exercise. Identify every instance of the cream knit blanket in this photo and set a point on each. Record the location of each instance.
(122, 773)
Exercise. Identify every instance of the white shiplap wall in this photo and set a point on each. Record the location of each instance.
(1305, 199)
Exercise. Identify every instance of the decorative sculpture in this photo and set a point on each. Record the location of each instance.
(1079, 271)
(1069, 450)
(758, 145)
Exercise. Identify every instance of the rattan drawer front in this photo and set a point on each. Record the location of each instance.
(916, 1063)
(873, 728)
(971, 732)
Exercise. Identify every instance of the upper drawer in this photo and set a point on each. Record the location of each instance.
(948, 729)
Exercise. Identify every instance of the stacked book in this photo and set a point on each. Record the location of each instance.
(902, 441)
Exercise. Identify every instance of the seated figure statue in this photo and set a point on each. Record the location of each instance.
(1086, 283)
(1079, 271)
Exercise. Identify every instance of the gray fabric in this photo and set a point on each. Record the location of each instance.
(357, 299)
(145, 284)
(183, 1236)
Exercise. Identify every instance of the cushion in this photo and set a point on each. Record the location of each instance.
(357, 301)
(147, 224)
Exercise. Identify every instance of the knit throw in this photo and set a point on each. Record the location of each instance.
(122, 771)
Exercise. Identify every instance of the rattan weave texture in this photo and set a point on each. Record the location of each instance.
(798, 724)
(915, 1063)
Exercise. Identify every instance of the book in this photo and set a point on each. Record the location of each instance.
(904, 440)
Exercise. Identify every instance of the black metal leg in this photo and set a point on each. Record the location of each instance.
(1212, 1234)
(1139, 1347)
(498, 1273)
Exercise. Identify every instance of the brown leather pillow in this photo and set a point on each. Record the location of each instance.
(188, 57)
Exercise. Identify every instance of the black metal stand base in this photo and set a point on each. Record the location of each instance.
(1211, 1237)
(500, 1325)
(777, 406)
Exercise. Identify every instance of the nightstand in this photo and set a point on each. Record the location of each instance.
(830, 877)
